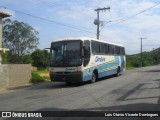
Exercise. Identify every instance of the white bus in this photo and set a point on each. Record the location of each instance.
(81, 59)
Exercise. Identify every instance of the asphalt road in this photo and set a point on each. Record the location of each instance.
(134, 90)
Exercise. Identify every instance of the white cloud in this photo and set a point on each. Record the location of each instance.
(81, 14)
(144, 25)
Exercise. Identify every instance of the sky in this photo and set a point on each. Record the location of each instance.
(125, 23)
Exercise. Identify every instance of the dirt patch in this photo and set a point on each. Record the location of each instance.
(44, 74)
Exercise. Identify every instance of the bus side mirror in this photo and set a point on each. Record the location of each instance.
(47, 48)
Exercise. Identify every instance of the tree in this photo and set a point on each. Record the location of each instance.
(41, 58)
(5, 59)
(27, 59)
(20, 38)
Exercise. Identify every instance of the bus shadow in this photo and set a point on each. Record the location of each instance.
(47, 85)
(57, 85)
(54, 85)
(107, 78)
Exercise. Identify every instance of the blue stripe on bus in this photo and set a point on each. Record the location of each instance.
(86, 78)
(122, 63)
(87, 74)
(107, 73)
(101, 74)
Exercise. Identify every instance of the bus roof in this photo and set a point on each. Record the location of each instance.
(86, 38)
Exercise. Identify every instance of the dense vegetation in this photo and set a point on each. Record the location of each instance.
(40, 76)
(21, 39)
(41, 59)
(148, 58)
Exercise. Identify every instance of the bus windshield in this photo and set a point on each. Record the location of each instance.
(66, 54)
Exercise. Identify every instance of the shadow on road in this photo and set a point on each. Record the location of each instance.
(152, 71)
(157, 80)
(130, 107)
(56, 85)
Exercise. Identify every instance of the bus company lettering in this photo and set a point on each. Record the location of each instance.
(100, 59)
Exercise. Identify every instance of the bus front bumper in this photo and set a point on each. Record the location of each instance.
(66, 77)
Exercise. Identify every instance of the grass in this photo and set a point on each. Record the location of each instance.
(40, 76)
(41, 71)
(37, 78)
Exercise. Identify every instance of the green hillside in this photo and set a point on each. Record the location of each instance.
(149, 58)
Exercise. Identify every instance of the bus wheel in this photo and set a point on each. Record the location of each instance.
(94, 78)
(118, 71)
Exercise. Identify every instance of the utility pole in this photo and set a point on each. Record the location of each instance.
(141, 52)
(97, 21)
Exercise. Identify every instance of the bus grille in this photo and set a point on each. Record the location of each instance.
(63, 73)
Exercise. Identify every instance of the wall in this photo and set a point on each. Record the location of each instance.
(0, 31)
(14, 75)
(0, 38)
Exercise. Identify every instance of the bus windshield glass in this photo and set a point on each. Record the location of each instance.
(66, 54)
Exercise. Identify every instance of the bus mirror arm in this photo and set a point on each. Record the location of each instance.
(47, 48)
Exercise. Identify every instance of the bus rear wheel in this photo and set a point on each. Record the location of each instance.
(94, 78)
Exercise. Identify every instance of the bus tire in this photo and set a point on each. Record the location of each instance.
(94, 77)
(118, 72)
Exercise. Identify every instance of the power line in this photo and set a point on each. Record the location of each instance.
(97, 21)
(55, 22)
(53, 5)
(50, 3)
(104, 25)
(152, 45)
(44, 19)
(123, 20)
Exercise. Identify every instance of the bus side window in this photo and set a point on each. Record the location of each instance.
(93, 47)
(110, 49)
(124, 51)
(118, 50)
(121, 51)
(106, 49)
(113, 50)
(102, 48)
(97, 47)
(86, 55)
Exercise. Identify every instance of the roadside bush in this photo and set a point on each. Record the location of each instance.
(37, 78)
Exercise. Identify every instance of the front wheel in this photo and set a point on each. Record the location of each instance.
(94, 78)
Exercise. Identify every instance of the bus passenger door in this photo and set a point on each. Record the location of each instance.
(86, 53)
(86, 57)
